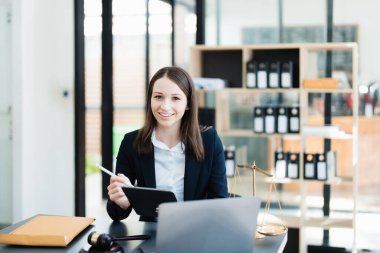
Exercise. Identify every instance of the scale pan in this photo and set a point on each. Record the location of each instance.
(272, 229)
(259, 236)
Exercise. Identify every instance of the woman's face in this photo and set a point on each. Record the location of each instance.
(168, 103)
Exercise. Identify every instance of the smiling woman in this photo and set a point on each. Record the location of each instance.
(178, 83)
(168, 105)
(170, 151)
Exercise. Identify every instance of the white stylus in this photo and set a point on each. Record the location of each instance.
(111, 174)
(105, 170)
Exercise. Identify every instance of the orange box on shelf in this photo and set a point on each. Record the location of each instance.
(321, 83)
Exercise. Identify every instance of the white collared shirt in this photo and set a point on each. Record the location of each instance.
(169, 166)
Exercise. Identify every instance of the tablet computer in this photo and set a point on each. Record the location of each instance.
(145, 201)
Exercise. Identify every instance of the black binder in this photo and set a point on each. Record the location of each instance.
(229, 157)
(287, 75)
(293, 165)
(280, 164)
(274, 75)
(258, 119)
(282, 119)
(294, 120)
(270, 118)
(321, 166)
(309, 166)
(251, 74)
(262, 75)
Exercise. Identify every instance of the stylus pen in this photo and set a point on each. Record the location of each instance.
(110, 173)
(105, 170)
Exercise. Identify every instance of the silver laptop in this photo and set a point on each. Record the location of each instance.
(216, 225)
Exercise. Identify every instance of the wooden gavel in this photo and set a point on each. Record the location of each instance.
(105, 241)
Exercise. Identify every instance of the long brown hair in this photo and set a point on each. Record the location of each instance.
(189, 130)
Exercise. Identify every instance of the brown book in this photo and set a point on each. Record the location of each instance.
(44, 230)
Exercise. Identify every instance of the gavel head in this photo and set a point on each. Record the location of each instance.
(101, 241)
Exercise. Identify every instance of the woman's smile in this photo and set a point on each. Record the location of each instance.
(165, 114)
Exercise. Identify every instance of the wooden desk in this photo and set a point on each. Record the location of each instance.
(127, 227)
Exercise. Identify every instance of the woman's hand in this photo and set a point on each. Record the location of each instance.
(115, 191)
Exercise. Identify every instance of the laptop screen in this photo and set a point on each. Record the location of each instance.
(215, 225)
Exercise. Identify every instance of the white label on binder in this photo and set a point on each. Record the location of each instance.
(309, 170)
(294, 124)
(285, 80)
(321, 171)
(262, 79)
(273, 80)
(251, 80)
(259, 125)
(282, 124)
(330, 163)
(230, 167)
(292, 170)
(280, 169)
(269, 124)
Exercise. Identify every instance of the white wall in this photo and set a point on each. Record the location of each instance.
(5, 114)
(364, 13)
(43, 144)
(238, 14)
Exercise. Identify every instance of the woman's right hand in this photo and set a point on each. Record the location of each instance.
(115, 191)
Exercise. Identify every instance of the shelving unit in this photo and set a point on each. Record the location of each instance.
(234, 115)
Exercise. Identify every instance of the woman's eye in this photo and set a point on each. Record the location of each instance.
(157, 97)
(176, 98)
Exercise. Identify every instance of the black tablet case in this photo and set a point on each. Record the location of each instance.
(145, 201)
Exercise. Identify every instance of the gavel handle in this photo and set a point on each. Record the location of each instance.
(131, 237)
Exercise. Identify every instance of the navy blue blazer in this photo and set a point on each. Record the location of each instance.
(203, 179)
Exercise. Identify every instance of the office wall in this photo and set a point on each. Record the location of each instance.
(5, 113)
(239, 14)
(43, 120)
(365, 14)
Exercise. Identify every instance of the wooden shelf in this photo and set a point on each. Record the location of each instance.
(296, 221)
(288, 220)
(333, 181)
(250, 133)
(328, 222)
(338, 91)
(257, 90)
(276, 46)
(282, 180)
(343, 136)
(234, 107)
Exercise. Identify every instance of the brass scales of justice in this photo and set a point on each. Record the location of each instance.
(264, 229)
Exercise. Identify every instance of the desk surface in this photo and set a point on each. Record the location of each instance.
(128, 227)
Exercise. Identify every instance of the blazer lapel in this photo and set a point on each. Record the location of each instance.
(148, 171)
(192, 170)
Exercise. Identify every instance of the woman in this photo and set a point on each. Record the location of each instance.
(170, 151)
